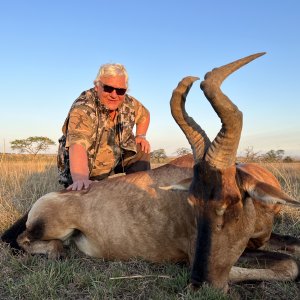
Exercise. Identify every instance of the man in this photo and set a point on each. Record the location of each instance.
(99, 130)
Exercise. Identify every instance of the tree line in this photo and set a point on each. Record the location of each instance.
(271, 156)
(37, 144)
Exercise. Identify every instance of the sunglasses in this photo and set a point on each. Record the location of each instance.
(109, 89)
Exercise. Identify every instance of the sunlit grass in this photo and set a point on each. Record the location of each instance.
(22, 182)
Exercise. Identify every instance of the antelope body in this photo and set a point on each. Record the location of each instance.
(119, 218)
(208, 215)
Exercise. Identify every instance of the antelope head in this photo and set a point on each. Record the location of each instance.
(220, 193)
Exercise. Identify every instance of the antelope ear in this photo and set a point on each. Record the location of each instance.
(265, 192)
(182, 185)
(271, 195)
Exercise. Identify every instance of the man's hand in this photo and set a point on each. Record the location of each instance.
(145, 145)
(79, 184)
(79, 168)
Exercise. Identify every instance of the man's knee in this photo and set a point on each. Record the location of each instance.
(135, 162)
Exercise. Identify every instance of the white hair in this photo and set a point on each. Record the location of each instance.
(107, 70)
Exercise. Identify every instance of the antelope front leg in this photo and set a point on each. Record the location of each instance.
(264, 265)
(284, 243)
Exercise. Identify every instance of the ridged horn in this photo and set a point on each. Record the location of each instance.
(222, 152)
(193, 132)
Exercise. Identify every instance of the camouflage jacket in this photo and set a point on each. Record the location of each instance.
(89, 124)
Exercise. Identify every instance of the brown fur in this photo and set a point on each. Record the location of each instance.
(244, 222)
(123, 217)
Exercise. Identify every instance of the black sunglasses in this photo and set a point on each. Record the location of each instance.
(109, 89)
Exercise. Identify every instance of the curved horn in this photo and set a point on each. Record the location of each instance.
(193, 132)
(222, 152)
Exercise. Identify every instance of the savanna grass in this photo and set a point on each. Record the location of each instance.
(288, 174)
(24, 179)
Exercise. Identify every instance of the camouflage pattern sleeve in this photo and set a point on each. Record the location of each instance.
(141, 112)
(81, 127)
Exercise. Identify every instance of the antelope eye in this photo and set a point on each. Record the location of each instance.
(220, 211)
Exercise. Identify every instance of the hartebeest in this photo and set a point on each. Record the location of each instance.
(206, 216)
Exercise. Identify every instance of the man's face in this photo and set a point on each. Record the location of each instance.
(111, 91)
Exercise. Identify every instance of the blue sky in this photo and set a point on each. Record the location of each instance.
(51, 51)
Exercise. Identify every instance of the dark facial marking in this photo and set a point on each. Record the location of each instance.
(203, 246)
(207, 182)
(11, 234)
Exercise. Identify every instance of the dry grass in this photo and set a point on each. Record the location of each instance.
(288, 174)
(23, 181)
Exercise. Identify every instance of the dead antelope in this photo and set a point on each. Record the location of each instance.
(206, 215)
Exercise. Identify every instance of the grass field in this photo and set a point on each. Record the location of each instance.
(24, 179)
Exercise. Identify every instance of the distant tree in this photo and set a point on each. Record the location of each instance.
(288, 159)
(183, 151)
(250, 155)
(158, 155)
(273, 155)
(32, 145)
